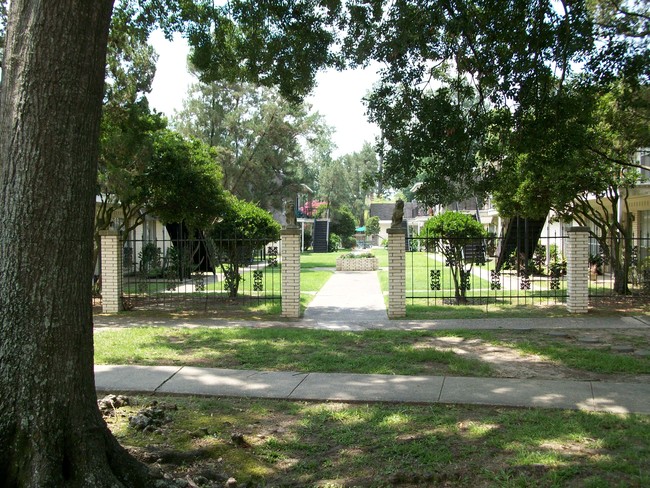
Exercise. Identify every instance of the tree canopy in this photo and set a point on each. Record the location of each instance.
(182, 182)
(466, 82)
(258, 135)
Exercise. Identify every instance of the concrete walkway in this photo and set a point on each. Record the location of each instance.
(577, 395)
(356, 324)
(353, 301)
(349, 296)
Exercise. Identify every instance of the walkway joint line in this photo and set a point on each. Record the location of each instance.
(639, 319)
(163, 383)
(441, 387)
(298, 385)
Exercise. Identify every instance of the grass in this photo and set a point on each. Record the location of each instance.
(282, 349)
(337, 445)
(319, 260)
(587, 359)
(382, 352)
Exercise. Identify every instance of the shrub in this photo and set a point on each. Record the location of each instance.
(349, 242)
(372, 226)
(334, 243)
(243, 229)
(352, 255)
(451, 233)
(149, 258)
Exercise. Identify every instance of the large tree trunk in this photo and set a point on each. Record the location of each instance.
(51, 433)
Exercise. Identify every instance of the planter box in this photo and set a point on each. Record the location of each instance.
(357, 264)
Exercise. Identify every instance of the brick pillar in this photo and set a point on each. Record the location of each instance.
(290, 272)
(396, 273)
(578, 270)
(111, 262)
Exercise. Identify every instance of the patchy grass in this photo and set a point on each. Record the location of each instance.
(382, 352)
(283, 349)
(595, 360)
(339, 445)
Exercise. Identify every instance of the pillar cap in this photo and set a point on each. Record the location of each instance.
(109, 232)
(290, 231)
(578, 229)
(396, 231)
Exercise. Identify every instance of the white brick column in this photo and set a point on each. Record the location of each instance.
(111, 262)
(290, 272)
(578, 270)
(396, 273)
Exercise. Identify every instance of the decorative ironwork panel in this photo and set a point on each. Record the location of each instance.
(465, 280)
(435, 279)
(495, 280)
(272, 256)
(525, 282)
(199, 283)
(257, 280)
(555, 278)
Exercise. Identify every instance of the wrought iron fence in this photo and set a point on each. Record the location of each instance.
(464, 271)
(619, 272)
(201, 273)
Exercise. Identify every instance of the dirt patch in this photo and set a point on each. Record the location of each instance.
(508, 361)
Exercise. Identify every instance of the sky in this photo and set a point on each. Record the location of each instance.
(337, 96)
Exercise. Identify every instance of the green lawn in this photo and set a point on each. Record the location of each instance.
(319, 260)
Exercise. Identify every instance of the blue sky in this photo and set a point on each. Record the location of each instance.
(337, 96)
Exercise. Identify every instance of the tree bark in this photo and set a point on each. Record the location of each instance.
(51, 432)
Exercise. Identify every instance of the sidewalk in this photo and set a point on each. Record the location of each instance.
(575, 395)
(356, 324)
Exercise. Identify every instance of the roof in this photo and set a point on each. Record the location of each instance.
(385, 210)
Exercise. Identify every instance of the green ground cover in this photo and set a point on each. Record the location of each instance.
(283, 443)
(382, 352)
(282, 349)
